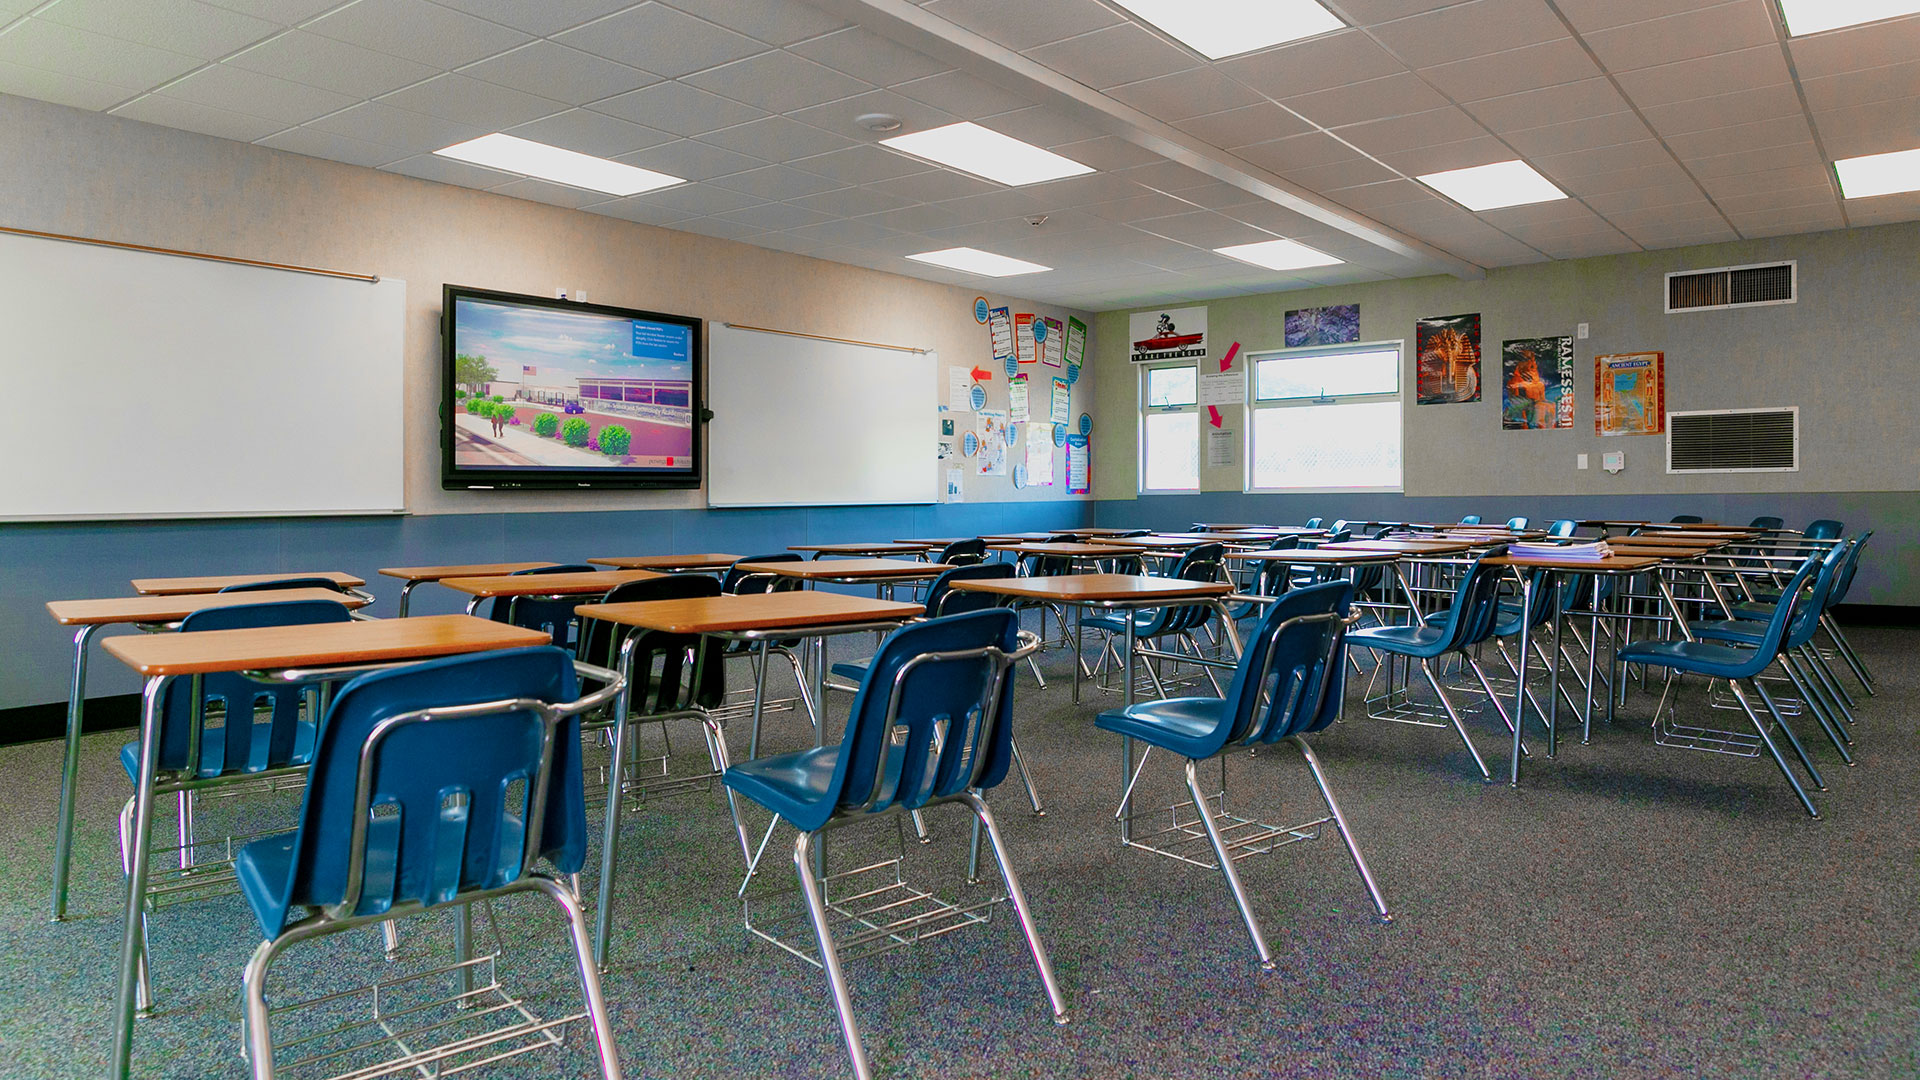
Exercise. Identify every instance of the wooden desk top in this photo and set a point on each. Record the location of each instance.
(1231, 539)
(1698, 543)
(1404, 547)
(589, 583)
(174, 586)
(275, 647)
(436, 573)
(703, 561)
(848, 570)
(1097, 530)
(1159, 541)
(755, 611)
(1099, 588)
(1002, 537)
(173, 608)
(1613, 564)
(1078, 551)
(1655, 551)
(1327, 556)
(929, 545)
(886, 548)
(1701, 534)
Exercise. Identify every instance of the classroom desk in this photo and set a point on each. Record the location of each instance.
(1346, 557)
(174, 586)
(1159, 542)
(413, 576)
(1078, 552)
(755, 617)
(929, 545)
(879, 573)
(150, 613)
(996, 538)
(896, 547)
(705, 562)
(1098, 530)
(586, 583)
(163, 657)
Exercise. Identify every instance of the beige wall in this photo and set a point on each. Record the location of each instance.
(88, 174)
(1845, 354)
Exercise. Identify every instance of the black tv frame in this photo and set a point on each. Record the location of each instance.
(536, 478)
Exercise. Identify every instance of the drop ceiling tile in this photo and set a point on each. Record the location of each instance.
(842, 116)
(1612, 129)
(1696, 213)
(82, 54)
(1591, 15)
(691, 160)
(1434, 216)
(1277, 220)
(1688, 35)
(470, 101)
(331, 65)
(1297, 152)
(1184, 94)
(936, 185)
(181, 26)
(1108, 153)
(1166, 176)
(1540, 215)
(1869, 129)
(588, 132)
(921, 218)
(1022, 24)
(1512, 72)
(698, 199)
(1346, 173)
(657, 38)
(1664, 174)
(1773, 157)
(1722, 110)
(1084, 190)
(1470, 29)
(1367, 197)
(996, 205)
(1549, 105)
(1603, 159)
(1805, 220)
(541, 19)
(1757, 135)
(775, 216)
(776, 182)
(1769, 180)
(1039, 126)
(1465, 154)
(845, 231)
(962, 95)
(1317, 64)
(678, 108)
(1230, 128)
(1856, 48)
(1610, 202)
(866, 55)
(43, 85)
(1657, 238)
(1892, 82)
(417, 30)
(1374, 99)
(795, 244)
(283, 12)
(861, 165)
(638, 209)
(1724, 73)
(444, 170)
(720, 228)
(1884, 209)
(848, 202)
(190, 116)
(1779, 199)
(1203, 228)
(532, 190)
(325, 144)
(1220, 195)
(557, 72)
(778, 81)
(1122, 53)
(776, 138)
(375, 122)
(1587, 247)
(1139, 207)
(776, 22)
(1401, 133)
(224, 86)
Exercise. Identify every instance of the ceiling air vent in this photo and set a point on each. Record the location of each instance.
(1731, 286)
(1734, 440)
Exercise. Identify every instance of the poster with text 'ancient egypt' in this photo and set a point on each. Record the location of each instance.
(1447, 367)
(1629, 394)
(1537, 383)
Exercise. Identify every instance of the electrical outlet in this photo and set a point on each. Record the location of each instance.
(559, 292)
(579, 296)
(1579, 461)
(1581, 332)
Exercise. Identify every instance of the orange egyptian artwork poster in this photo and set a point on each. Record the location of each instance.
(1448, 370)
(1629, 394)
(1538, 387)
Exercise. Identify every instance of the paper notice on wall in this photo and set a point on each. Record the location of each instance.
(1054, 344)
(956, 485)
(1017, 399)
(1000, 325)
(1079, 468)
(1023, 341)
(946, 449)
(1224, 383)
(995, 436)
(1039, 460)
(959, 390)
(1076, 342)
(1058, 413)
(1222, 448)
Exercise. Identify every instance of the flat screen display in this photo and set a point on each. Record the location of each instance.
(551, 393)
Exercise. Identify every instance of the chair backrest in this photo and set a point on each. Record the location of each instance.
(932, 718)
(1275, 576)
(966, 552)
(1516, 524)
(1562, 528)
(1312, 523)
(288, 583)
(1341, 525)
(747, 582)
(1767, 522)
(1470, 519)
(1809, 607)
(1845, 579)
(1475, 606)
(1793, 598)
(1824, 529)
(243, 701)
(1292, 671)
(601, 642)
(1685, 519)
(1206, 562)
(429, 780)
(538, 613)
(943, 599)
(1051, 565)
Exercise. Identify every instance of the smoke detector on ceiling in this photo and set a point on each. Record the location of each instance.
(878, 122)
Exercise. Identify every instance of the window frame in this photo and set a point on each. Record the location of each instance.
(1140, 464)
(1255, 406)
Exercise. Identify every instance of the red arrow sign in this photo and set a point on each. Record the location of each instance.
(981, 374)
(1213, 415)
(1226, 362)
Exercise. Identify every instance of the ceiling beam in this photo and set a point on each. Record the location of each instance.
(908, 24)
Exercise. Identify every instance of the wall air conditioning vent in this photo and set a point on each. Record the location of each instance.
(1734, 440)
(1732, 286)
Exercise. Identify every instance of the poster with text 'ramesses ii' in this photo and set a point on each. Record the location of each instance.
(1537, 384)
(1447, 365)
(1629, 394)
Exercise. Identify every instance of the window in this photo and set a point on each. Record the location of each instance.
(1170, 428)
(1326, 419)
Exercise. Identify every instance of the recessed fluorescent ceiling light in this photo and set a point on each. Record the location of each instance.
(1221, 28)
(1279, 255)
(1879, 174)
(1490, 187)
(971, 148)
(1813, 16)
(545, 162)
(974, 261)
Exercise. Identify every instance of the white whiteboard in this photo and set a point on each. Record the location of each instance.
(803, 422)
(144, 385)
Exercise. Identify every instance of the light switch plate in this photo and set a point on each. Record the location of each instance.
(1581, 332)
(1579, 461)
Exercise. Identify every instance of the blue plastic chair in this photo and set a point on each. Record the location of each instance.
(932, 723)
(539, 613)
(1767, 522)
(1737, 664)
(1470, 620)
(967, 552)
(1686, 519)
(266, 737)
(1207, 562)
(1311, 523)
(436, 784)
(1823, 529)
(326, 583)
(1470, 519)
(1562, 529)
(1272, 577)
(1289, 684)
(1517, 524)
(739, 581)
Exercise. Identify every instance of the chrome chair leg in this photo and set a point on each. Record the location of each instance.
(1018, 895)
(1454, 715)
(1226, 866)
(1774, 750)
(1033, 793)
(1793, 741)
(800, 677)
(143, 984)
(829, 956)
(597, 1016)
(1818, 706)
(1340, 822)
(1845, 648)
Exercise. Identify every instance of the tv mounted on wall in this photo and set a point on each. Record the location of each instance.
(541, 393)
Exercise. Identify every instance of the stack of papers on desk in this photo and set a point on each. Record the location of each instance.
(1596, 550)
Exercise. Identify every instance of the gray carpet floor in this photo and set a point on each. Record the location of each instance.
(1630, 911)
